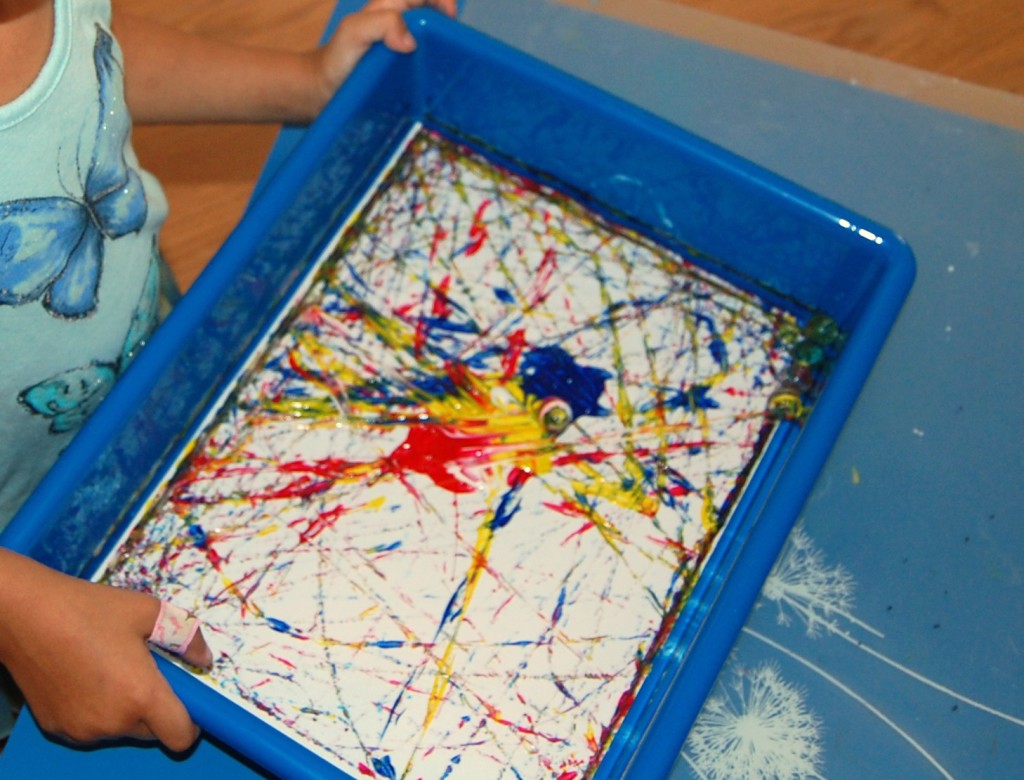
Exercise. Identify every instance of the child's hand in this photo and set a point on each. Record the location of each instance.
(78, 652)
(171, 76)
(378, 20)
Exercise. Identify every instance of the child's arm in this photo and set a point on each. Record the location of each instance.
(172, 76)
(78, 652)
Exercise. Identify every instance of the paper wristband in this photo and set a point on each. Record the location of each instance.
(174, 629)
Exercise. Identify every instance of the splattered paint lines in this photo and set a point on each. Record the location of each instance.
(445, 520)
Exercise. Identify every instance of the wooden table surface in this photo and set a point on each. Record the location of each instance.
(981, 41)
(209, 171)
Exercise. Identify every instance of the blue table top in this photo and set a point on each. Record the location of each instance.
(890, 638)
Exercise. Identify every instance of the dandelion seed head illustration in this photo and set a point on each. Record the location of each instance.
(757, 728)
(801, 582)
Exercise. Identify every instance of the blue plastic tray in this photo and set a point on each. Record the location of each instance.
(751, 226)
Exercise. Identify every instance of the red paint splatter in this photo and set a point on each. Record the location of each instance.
(440, 234)
(463, 379)
(568, 508)
(579, 531)
(440, 308)
(432, 449)
(317, 525)
(442, 305)
(541, 287)
(572, 458)
(303, 487)
(510, 358)
(518, 477)
(682, 551)
(478, 231)
(285, 661)
(493, 714)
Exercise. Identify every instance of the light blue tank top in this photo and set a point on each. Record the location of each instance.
(78, 259)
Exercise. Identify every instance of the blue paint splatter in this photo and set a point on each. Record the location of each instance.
(689, 399)
(199, 537)
(384, 767)
(279, 625)
(434, 324)
(719, 351)
(387, 644)
(557, 615)
(551, 371)
(434, 386)
(507, 508)
(452, 610)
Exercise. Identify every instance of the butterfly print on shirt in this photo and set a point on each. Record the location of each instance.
(69, 397)
(52, 247)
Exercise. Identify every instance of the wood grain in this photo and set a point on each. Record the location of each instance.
(981, 41)
(209, 171)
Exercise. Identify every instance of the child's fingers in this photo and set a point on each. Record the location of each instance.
(379, 20)
(168, 721)
(177, 631)
(380, 24)
(165, 717)
(198, 653)
(448, 7)
(173, 629)
(397, 36)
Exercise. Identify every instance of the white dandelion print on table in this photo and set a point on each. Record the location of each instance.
(758, 725)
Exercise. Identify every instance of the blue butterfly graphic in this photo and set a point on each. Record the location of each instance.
(69, 397)
(53, 246)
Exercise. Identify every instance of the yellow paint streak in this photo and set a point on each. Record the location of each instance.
(629, 496)
(481, 550)
(708, 513)
(324, 358)
(375, 503)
